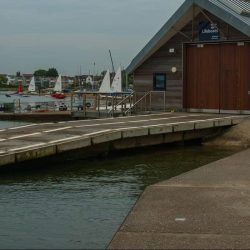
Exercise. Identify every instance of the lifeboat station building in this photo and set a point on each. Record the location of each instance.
(200, 58)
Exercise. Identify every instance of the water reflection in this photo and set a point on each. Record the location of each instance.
(81, 203)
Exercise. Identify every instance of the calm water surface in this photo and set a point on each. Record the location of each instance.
(81, 203)
(10, 124)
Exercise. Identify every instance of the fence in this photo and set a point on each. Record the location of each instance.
(124, 103)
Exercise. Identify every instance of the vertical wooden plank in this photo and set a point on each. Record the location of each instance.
(202, 77)
(244, 76)
(191, 77)
(229, 96)
(209, 80)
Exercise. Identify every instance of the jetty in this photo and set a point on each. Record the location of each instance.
(207, 208)
(36, 141)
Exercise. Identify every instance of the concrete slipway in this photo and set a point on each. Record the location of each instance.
(208, 208)
(35, 141)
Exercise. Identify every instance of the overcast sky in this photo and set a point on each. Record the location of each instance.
(68, 33)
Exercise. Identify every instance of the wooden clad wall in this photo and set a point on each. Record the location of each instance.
(162, 60)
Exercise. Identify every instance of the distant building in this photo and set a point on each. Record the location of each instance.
(89, 80)
(26, 79)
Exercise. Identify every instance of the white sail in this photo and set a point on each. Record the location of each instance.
(58, 85)
(32, 85)
(117, 82)
(105, 86)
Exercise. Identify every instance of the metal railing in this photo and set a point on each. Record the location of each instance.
(85, 102)
(128, 111)
(122, 105)
(107, 104)
(148, 101)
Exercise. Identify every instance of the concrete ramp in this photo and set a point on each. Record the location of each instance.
(35, 141)
(207, 208)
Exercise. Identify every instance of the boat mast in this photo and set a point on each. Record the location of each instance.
(113, 68)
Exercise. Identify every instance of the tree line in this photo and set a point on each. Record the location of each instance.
(51, 72)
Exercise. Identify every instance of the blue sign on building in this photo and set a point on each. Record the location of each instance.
(208, 31)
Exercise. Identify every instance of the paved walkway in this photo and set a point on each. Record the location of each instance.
(208, 208)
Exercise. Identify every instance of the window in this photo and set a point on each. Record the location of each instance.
(160, 82)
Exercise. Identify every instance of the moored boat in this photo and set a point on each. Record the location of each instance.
(58, 89)
(58, 95)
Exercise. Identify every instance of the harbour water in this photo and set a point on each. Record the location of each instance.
(81, 203)
(34, 102)
(12, 97)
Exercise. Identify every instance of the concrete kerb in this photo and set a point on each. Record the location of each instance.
(223, 122)
(106, 137)
(185, 126)
(7, 159)
(134, 132)
(73, 145)
(35, 153)
(204, 124)
(160, 129)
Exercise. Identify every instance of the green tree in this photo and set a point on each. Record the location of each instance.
(52, 72)
(40, 73)
(3, 79)
(103, 73)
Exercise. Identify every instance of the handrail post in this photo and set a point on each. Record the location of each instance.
(19, 105)
(164, 101)
(112, 106)
(84, 104)
(150, 101)
(106, 97)
(71, 102)
(114, 102)
(98, 103)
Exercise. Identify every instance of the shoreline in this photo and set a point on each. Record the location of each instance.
(200, 209)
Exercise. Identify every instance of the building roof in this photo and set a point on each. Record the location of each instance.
(234, 12)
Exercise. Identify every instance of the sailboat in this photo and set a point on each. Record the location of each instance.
(58, 84)
(105, 86)
(20, 89)
(32, 86)
(58, 89)
(117, 82)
